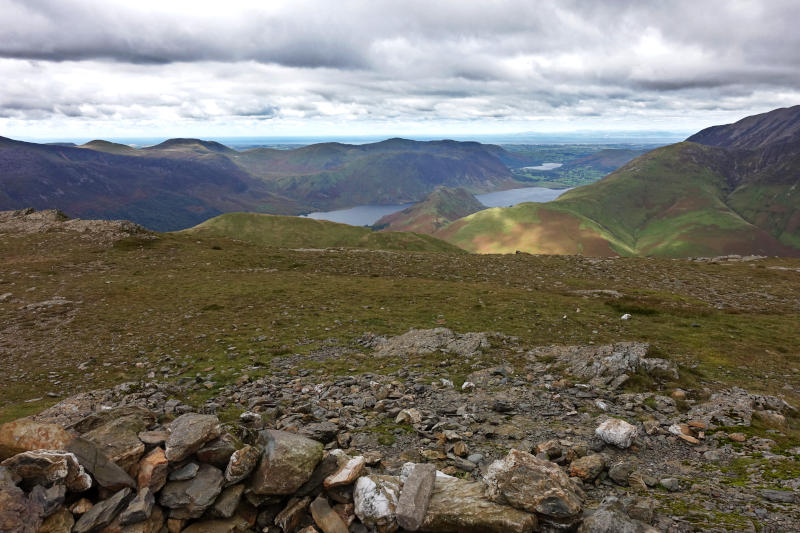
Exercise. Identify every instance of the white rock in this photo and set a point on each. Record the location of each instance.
(412, 416)
(626, 316)
(617, 432)
(601, 405)
(468, 385)
(406, 469)
(375, 499)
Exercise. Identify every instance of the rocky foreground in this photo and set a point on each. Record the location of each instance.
(559, 447)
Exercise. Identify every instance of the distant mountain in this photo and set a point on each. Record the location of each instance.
(297, 232)
(737, 192)
(180, 182)
(439, 208)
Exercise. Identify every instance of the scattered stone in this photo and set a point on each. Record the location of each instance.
(347, 474)
(286, 464)
(188, 433)
(617, 432)
(323, 432)
(408, 416)
(779, 496)
(414, 497)
(620, 471)
(587, 468)
(671, 484)
(534, 485)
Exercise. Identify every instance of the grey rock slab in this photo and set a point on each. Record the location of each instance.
(139, 509)
(286, 464)
(103, 513)
(458, 506)
(187, 471)
(241, 463)
(415, 496)
(227, 501)
(218, 451)
(779, 496)
(106, 473)
(19, 513)
(326, 518)
(188, 433)
(189, 499)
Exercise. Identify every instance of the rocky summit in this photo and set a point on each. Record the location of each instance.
(551, 446)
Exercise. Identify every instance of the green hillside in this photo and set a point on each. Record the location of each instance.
(670, 202)
(438, 209)
(296, 232)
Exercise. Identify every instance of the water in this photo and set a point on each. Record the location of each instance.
(367, 215)
(546, 166)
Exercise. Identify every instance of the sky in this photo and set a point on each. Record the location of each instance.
(110, 69)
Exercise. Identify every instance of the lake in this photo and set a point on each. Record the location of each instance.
(367, 215)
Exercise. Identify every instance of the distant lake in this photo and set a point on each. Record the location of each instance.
(367, 215)
(546, 166)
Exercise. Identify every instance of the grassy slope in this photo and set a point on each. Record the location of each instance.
(669, 202)
(188, 297)
(296, 232)
(439, 208)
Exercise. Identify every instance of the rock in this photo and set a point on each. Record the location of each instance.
(227, 501)
(218, 451)
(103, 513)
(323, 432)
(151, 525)
(241, 463)
(779, 496)
(408, 416)
(325, 468)
(106, 473)
(81, 506)
(101, 417)
(347, 474)
(118, 440)
(621, 471)
(155, 437)
(139, 508)
(458, 506)
(736, 407)
(421, 342)
(552, 448)
(291, 515)
(588, 467)
(45, 467)
(59, 522)
(415, 496)
(189, 499)
(617, 432)
(187, 471)
(737, 437)
(188, 433)
(609, 520)
(286, 464)
(671, 484)
(52, 498)
(375, 498)
(531, 484)
(770, 418)
(153, 470)
(26, 435)
(460, 449)
(19, 513)
(325, 517)
(230, 525)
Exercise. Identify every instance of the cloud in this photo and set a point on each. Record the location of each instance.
(383, 64)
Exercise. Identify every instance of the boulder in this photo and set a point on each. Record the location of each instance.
(103, 417)
(230, 525)
(118, 439)
(241, 463)
(534, 485)
(151, 525)
(323, 432)
(218, 451)
(153, 470)
(588, 467)
(286, 464)
(103, 513)
(458, 506)
(19, 513)
(425, 341)
(45, 467)
(187, 471)
(139, 508)
(189, 499)
(25, 435)
(621, 471)
(326, 518)
(617, 432)
(188, 433)
(415, 496)
(106, 473)
(610, 519)
(59, 522)
(227, 502)
(291, 515)
(375, 498)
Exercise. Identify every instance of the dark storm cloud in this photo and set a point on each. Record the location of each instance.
(380, 60)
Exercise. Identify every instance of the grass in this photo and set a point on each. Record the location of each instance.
(180, 303)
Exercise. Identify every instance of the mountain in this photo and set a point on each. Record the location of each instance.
(297, 232)
(728, 190)
(439, 208)
(157, 192)
(181, 182)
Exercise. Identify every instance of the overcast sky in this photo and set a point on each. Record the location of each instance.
(85, 68)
